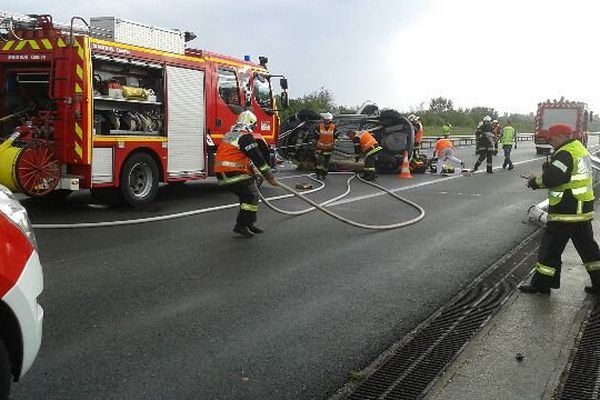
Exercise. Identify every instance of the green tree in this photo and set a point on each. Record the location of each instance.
(440, 105)
(318, 101)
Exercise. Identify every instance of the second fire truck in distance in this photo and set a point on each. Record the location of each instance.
(118, 107)
(574, 113)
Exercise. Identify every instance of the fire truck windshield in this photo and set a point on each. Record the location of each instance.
(559, 115)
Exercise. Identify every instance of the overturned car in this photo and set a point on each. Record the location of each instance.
(393, 131)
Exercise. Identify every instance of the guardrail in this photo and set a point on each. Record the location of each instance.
(428, 142)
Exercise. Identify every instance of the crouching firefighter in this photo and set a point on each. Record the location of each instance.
(365, 143)
(568, 178)
(233, 167)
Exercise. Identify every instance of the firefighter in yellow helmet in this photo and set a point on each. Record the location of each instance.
(326, 136)
(365, 143)
(568, 178)
(233, 167)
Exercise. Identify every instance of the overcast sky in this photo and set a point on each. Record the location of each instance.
(505, 54)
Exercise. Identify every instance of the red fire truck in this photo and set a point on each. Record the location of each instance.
(574, 113)
(118, 107)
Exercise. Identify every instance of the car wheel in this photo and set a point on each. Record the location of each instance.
(5, 374)
(139, 179)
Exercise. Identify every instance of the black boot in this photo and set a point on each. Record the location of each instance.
(243, 230)
(529, 288)
(255, 229)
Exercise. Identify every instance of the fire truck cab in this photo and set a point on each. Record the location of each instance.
(553, 112)
(119, 107)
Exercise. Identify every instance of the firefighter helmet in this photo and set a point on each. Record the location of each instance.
(487, 118)
(495, 121)
(327, 117)
(412, 117)
(247, 117)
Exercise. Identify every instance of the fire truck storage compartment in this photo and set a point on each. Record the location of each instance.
(186, 122)
(25, 91)
(124, 31)
(128, 97)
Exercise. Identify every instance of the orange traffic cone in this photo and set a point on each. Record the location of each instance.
(405, 168)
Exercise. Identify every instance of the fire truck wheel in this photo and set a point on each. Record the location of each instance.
(139, 179)
(5, 375)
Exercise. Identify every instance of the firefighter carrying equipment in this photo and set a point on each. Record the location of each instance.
(322, 208)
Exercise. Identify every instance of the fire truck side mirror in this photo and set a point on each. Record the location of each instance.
(285, 101)
(283, 83)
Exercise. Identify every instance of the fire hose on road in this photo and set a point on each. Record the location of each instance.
(321, 207)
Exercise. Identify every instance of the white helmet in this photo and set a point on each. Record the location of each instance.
(495, 121)
(327, 116)
(247, 117)
(412, 117)
(487, 118)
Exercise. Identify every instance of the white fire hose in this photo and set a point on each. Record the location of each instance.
(321, 207)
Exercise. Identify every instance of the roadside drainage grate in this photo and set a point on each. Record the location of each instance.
(414, 366)
(582, 374)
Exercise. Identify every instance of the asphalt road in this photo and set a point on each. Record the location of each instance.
(181, 309)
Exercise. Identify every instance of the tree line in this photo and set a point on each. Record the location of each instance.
(441, 111)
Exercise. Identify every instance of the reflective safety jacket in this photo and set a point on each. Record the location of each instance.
(365, 143)
(568, 178)
(441, 145)
(418, 132)
(234, 156)
(508, 135)
(325, 141)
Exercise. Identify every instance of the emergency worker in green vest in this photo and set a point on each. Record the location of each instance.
(506, 140)
(446, 128)
(568, 178)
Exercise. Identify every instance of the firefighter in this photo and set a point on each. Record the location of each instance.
(496, 132)
(506, 140)
(326, 136)
(484, 144)
(365, 143)
(233, 167)
(418, 127)
(568, 178)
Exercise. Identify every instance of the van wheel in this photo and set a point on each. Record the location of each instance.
(139, 179)
(5, 374)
